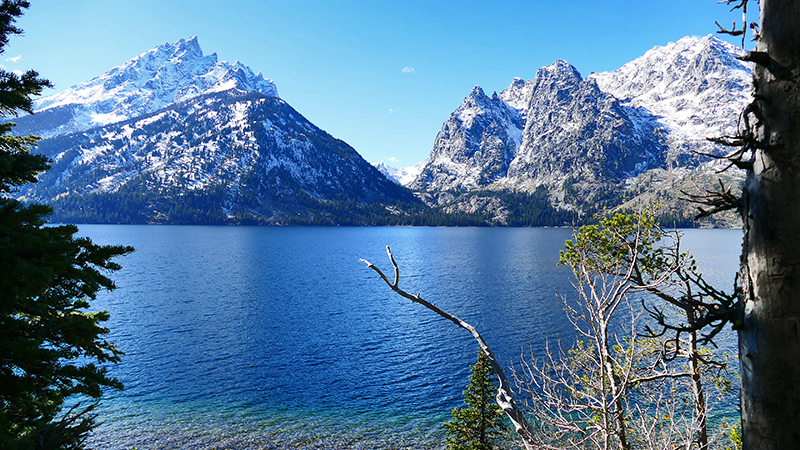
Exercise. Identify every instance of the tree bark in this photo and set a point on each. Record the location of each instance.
(613, 389)
(698, 395)
(769, 335)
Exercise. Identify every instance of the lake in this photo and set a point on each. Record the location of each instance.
(270, 337)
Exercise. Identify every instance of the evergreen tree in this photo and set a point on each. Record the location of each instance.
(477, 426)
(50, 345)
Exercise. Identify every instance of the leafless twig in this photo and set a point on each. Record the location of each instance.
(737, 4)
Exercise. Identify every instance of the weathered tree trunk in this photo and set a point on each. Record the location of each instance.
(769, 335)
(698, 396)
(612, 389)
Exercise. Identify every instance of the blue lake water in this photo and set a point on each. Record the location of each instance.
(266, 337)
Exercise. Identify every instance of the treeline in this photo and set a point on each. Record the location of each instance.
(136, 207)
(295, 208)
(206, 207)
(533, 209)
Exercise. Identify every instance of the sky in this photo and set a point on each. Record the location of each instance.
(381, 75)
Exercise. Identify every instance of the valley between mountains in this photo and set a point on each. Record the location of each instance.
(174, 136)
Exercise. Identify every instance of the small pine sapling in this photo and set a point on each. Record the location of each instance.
(479, 425)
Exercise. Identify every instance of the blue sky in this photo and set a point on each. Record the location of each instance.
(381, 75)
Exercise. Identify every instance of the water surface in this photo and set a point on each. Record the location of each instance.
(267, 337)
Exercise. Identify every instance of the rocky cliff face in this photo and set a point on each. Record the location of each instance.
(475, 146)
(573, 129)
(175, 134)
(695, 88)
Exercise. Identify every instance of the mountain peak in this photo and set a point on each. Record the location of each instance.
(477, 92)
(177, 53)
(560, 69)
(476, 103)
(560, 76)
(689, 66)
(193, 42)
(163, 75)
(190, 48)
(708, 41)
(401, 175)
(518, 94)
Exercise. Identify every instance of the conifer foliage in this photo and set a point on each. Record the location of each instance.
(480, 423)
(51, 347)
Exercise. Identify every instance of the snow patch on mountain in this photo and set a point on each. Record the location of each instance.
(238, 151)
(401, 175)
(574, 129)
(588, 138)
(518, 95)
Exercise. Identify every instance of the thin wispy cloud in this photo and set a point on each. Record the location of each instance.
(17, 58)
(409, 70)
(391, 111)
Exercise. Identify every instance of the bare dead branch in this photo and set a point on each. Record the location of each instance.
(660, 376)
(738, 4)
(504, 397)
(744, 141)
(578, 397)
(733, 31)
(715, 200)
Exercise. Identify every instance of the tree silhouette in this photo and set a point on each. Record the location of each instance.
(51, 347)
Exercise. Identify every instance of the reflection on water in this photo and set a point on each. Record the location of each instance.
(250, 337)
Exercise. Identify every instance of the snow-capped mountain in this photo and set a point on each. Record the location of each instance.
(573, 129)
(474, 146)
(216, 156)
(589, 137)
(695, 87)
(401, 175)
(555, 126)
(157, 78)
(173, 136)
